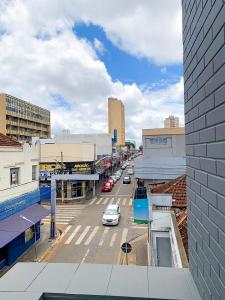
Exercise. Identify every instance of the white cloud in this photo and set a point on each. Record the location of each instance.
(41, 58)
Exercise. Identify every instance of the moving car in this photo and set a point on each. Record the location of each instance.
(127, 179)
(111, 215)
(107, 187)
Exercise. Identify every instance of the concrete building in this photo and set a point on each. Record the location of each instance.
(19, 196)
(23, 120)
(204, 96)
(163, 156)
(171, 122)
(116, 121)
(102, 141)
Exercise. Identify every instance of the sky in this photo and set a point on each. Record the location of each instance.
(69, 56)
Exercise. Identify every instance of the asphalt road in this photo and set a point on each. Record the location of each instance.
(85, 239)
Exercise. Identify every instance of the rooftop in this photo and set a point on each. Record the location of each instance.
(177, 188)
(6, 141)
(163, 131)
(34, 279)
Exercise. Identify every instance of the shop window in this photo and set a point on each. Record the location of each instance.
(14, 176)
(34, 172)
(29, 234)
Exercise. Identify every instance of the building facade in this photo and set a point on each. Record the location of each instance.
(204, 96)
(163, 156)
(171, 122)
(116, 121)
(102, 141)
(19, 197)
(22, 120)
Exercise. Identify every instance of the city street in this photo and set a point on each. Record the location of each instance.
(85, 239)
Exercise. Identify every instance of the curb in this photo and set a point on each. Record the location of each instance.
(60, 232)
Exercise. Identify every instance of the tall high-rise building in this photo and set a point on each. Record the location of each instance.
(22, 120)
(171, 122)
(116, 120)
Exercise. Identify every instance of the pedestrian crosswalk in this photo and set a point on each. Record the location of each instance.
(100, 236)
(65, 213)
(122, 201)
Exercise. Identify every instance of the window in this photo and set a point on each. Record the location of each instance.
(14, 176)
(34, 172)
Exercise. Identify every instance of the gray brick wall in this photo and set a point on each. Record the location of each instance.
(204, 96)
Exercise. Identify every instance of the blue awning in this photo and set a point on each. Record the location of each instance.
(14, 225)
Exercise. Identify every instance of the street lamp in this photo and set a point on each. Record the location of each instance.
(35, 236)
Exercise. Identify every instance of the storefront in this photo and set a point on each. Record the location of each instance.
(19, 225)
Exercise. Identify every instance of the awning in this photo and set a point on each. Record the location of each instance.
(14, 225)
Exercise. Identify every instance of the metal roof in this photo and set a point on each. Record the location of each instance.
(30, 280)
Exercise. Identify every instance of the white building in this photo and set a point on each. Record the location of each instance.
(103, 141)
(163, 155)
(19, 198)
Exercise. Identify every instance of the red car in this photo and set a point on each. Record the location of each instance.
(107, 187)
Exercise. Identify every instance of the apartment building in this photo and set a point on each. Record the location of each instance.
(23, 120)
(116, 121)
(171, 122)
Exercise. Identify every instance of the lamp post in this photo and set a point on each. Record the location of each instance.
(35, 236)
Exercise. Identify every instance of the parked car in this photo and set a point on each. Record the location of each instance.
(111, 215)
(113, 178)
(130, 172)
(127, 179)
(107, 187)
(111, 181)
(123, 167)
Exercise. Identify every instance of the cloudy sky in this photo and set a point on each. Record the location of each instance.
(69, 56)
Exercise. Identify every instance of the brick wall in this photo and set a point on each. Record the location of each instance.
(204, 93)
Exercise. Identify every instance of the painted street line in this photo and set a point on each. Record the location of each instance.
(124, 235)
(93, 201)
(118, 201)
(68, 241)
(99, 201)
(124, 201)
(130, 202)
(113, 239)
(90, 238)
(65, 231)
(106, 199)
(85, 256)
(82, 236)
(103, 236)
(111, 201)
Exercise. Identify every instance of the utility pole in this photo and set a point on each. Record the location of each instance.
(62, 183)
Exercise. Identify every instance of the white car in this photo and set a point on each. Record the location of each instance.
(111, 216)
(130, 172)
(113, 178)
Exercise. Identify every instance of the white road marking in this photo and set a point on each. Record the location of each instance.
(65, 231)
(113, 239)
(124, 201)
(99, 201)
(91, 236)
(130, 202)
(124, 236)
(85, 256)
(111, 201)
(103, 236)
(106, 199)
(68, 241)
(118, 201)
(93, 201)
(82, 236)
